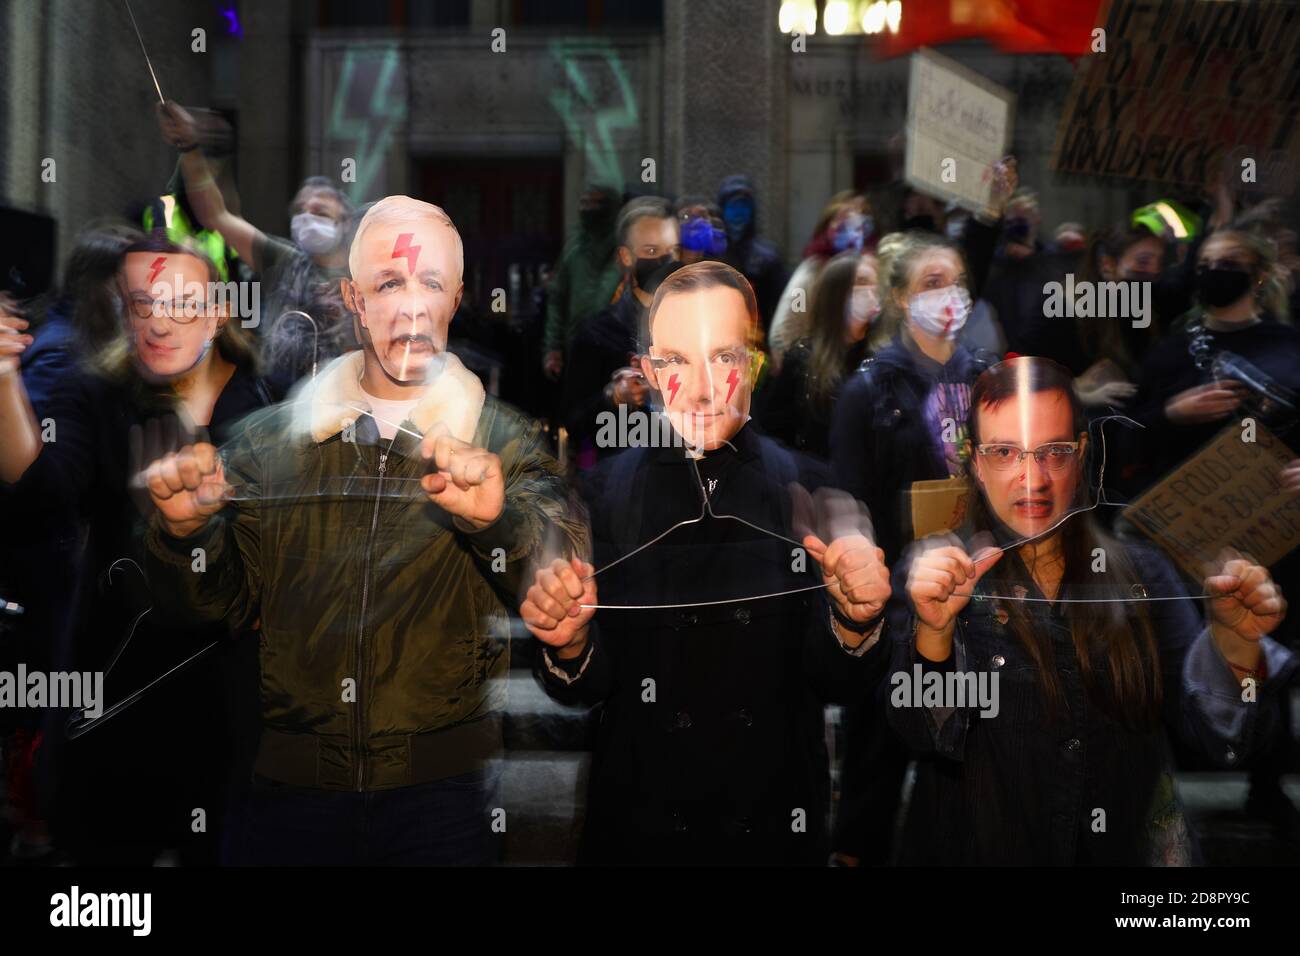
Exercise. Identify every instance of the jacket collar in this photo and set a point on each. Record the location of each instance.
(335, 397)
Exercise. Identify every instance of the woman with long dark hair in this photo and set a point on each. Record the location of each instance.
(1086, 651)
(845, 302)
(175, 363)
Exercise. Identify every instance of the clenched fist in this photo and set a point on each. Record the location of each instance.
(939, 585)
(855, 575)
(1244, 599)
(552, 607)
(187, 487)
(467, 482)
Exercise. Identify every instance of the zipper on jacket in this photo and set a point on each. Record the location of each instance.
(360, 715)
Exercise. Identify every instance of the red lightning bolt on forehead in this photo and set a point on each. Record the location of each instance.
(157, 267)
(403, 248)
(733, 379)
(673, 386)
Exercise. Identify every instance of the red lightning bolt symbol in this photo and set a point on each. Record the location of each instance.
(403, 248)
(733, 379)
(157, 267)
(673, 386)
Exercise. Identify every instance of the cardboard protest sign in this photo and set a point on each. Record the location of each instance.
(1228, 494)
(958, 126)
(1187, 92)
(938, 506)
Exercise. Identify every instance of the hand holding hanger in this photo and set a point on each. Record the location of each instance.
(559, 606)
(855, 575)
(465, 481)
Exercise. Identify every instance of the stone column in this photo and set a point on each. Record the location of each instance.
(725, 81)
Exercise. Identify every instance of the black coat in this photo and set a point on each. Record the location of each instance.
(880, 443)
(788, 411)
(172, 749)
(1019, 789)
(721, 759)
(600, 346)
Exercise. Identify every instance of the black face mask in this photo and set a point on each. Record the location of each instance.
(1220, 287)
(645, 268)
(922, 223)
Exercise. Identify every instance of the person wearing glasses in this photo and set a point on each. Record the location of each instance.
(1095, 654)
(176, 365)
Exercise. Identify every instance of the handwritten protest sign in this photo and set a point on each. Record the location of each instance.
(1186, 92)
(1228, 494)
(958, 126)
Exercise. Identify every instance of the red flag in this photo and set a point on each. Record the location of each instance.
(1016, 26)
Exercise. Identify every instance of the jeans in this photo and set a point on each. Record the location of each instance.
(444, 823)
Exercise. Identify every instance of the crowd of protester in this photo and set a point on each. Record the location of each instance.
(811, 402)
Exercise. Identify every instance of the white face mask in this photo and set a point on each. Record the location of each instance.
(940, 312)
(315, 235)
(864, 305)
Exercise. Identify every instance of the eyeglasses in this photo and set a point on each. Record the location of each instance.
(1055, 456)
(143, 307)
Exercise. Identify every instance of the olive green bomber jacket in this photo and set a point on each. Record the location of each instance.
(383, 623)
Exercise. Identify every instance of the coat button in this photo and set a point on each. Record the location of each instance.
(745, 716)
(742, 615)
(682, 721)
(1230, 756)
(1073, 744)
(998, 660)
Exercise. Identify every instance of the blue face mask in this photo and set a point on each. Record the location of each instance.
(697, 235)
(738, 214)
(848, 235)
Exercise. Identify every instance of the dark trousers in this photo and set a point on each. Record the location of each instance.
(445, 823)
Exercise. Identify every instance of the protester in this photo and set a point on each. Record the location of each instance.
(899, 419)
(585, 278)
(843, 226)
(602, 373)
(454, 494)
(305, 323)
(710, 745)
(1071, 767)
(176, 364)
(757, 259)
(845, 302)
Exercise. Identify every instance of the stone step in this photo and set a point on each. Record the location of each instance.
(533, 721)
